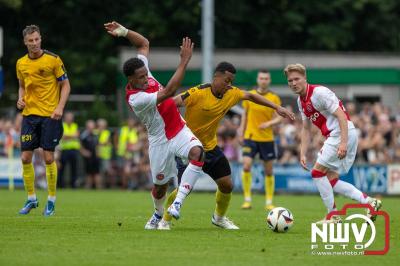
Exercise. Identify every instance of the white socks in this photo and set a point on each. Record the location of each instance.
(32, 197)
(350, 191)
(326, 192)
(51, 198)
(189, 179)
(158, 204)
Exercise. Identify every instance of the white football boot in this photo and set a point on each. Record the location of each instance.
(164, 225)
(174, 210)
(153, 222)
(335, 219)
(376, 204)
(223, 222)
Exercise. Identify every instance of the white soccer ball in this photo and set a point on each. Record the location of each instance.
(280, 220)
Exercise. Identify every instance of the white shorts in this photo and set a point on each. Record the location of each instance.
(327, 156)
(162, 157)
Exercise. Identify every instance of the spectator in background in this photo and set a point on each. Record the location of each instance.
(105, 150)
(2, 139)
(141, 174)
(127, 147)
(89, 143)
(287, 140)
(69, 146)
(40, 170)
(11, 140)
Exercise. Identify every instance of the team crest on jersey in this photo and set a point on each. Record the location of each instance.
(193, 138)
(160, 176)
(309, 108)
(151, 82)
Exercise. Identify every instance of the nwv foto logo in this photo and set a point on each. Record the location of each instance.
(337, 236)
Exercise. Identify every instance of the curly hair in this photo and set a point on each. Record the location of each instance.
(131, 65)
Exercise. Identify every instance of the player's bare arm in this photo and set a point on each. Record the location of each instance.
(175, 81)
(65, 88)
(21, 94)
(304, 144)
(179, 101)
(341, 116)
(242, 127)
(139, 41)
(262, 101)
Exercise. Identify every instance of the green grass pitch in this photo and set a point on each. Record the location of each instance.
(106, 228)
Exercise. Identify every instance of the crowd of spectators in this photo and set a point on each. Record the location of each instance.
(378, 129)
(127, 165)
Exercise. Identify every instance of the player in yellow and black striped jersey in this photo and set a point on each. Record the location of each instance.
(206, 105)
(256, 132)
(43, 92)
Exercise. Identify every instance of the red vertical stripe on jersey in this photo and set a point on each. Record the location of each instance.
(171, 116)
(312, 114)
(173, 122)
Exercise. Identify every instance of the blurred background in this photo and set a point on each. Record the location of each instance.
(350, 46)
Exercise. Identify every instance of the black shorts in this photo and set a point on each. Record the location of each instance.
(267, 150)
(215, 164)
(38, 131)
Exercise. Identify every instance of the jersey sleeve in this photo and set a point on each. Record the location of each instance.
(326, 99)
(142, 101)
(59, 70)
(245, 105)
(190, 96)
(19, 74)
(146, 63)
(303, 116)
(238, 94)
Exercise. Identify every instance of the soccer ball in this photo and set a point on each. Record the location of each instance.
(280, 220)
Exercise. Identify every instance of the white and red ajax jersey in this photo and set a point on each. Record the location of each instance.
(318, 106)
(163, 121)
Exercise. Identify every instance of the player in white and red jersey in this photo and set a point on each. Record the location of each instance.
(168, 135)
(320, 106)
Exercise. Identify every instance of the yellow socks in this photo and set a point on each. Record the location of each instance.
(246, 185)
(269, 189)
(28, 174)
(222, 200)
(170, 199)
(51, 176)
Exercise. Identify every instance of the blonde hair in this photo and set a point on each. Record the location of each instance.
(295, 67)
(30, 29)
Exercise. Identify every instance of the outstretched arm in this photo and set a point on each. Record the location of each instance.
(175, 81)
(274, 121)
(258, 99)
(139, 41)
(179, 101)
